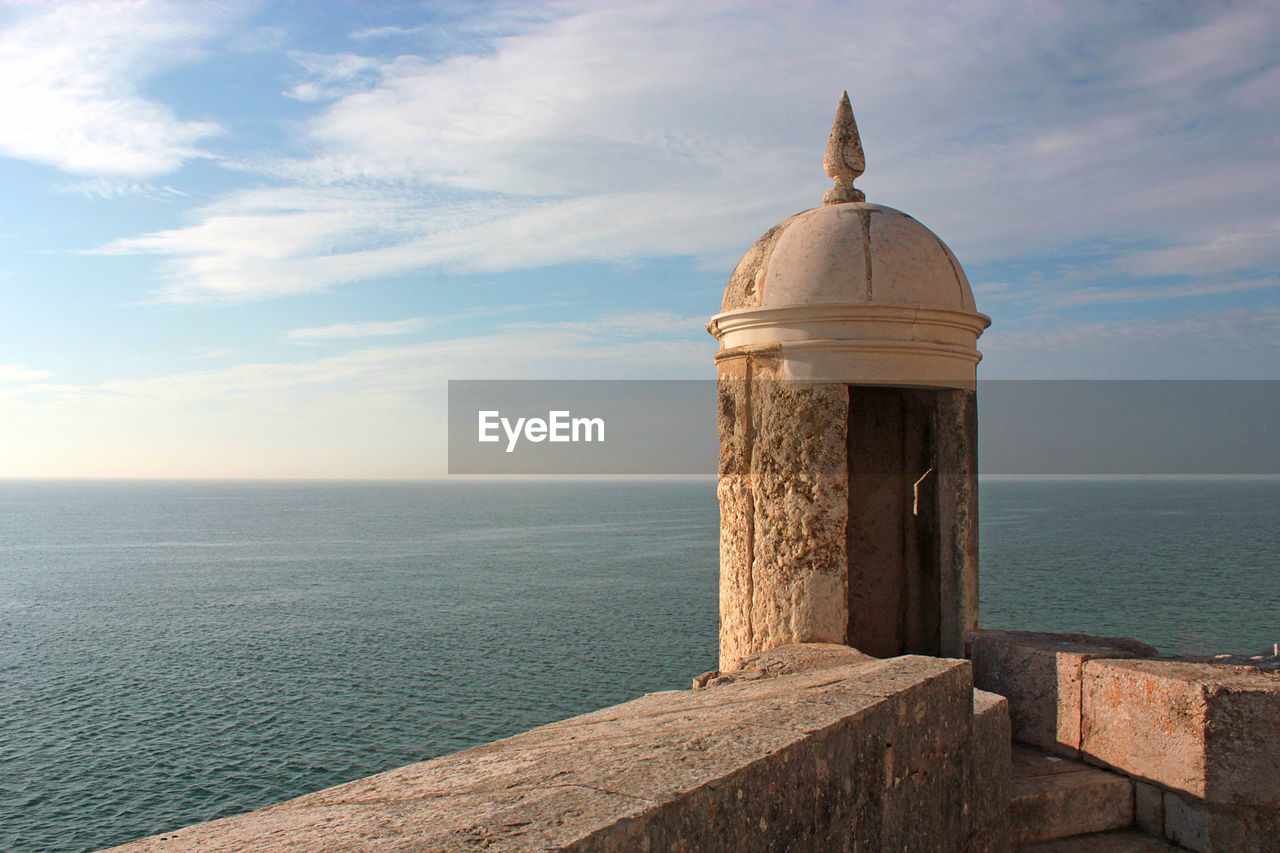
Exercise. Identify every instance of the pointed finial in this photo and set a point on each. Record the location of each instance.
(844, 160)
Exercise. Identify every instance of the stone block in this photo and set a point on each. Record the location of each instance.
(784, 660)
(1055, 797)
(800, 496)
(1148, 808)
(783, 489)
(1220, 828)
(1040, 676)
(1115, 841)
(1209, 730)
(989, 768)
(1185, 823)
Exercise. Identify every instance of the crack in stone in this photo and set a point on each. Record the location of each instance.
(864, 216)
(600, 791)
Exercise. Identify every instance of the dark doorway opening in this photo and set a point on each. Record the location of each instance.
(892, 537)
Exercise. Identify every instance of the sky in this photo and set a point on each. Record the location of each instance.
(255, 239)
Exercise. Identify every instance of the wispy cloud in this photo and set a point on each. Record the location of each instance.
(116, 188)
(391, 31)
(1157, 293)
(21, 373)
(74, 78)
(373, 329)
(657, 324)
(411, 325)
(283, 241)
(1234, 344)
(613, 132)
(607, 347)
(1226, 246)
(330, 76)
(368, 412)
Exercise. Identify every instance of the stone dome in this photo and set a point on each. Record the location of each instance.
(852, 292)
(855, 253)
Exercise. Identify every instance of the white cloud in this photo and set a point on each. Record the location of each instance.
(372, 412)
(1238, 343)
(410, 325)
(1154, 293)
(372, 329)
(620, 131)
(646, 346)
(116, 188)
(74, 74)
(656, 324)
(391, 31)
(276, 242)
(1223, 248)
(333, 75)
(20, 373)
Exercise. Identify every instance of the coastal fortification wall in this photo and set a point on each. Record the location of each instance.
(1199, 737)
(817, 749)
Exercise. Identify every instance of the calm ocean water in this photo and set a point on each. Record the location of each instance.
(175, 652)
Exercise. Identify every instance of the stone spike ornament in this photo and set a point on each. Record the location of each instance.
(844, 160)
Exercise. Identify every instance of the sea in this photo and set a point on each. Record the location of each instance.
(173, 652)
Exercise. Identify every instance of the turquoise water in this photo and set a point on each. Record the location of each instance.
(174, 652)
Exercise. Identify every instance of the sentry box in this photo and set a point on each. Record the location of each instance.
(848, 431)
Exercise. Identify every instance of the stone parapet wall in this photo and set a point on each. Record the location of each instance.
(855, 754)
(1199, 737)
(1205, 737)
(1040, 675)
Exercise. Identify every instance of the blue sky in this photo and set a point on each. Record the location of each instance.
(255, 239)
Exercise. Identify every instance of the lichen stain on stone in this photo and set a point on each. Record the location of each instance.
(743, 290)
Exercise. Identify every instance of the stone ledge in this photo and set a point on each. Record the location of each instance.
(1040, 675)
(872, 755)
(1205, 729)
(1056, 797)
(784, 660)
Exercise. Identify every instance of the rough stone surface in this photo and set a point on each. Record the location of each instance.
(956, 427)
(783, 492)
(744, 288)
(868, 756)
(737, 513)
(988, 784)
(1220, 828)
(1116, 841)
(1185, 821)
(800, 481)
(1148, 808)
(820, 539)
(1055, 797)
(784, 660)
(1040, 675)
(1209, 730)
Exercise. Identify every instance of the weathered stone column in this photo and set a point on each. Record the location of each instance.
(783, 505)
(848, 431)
